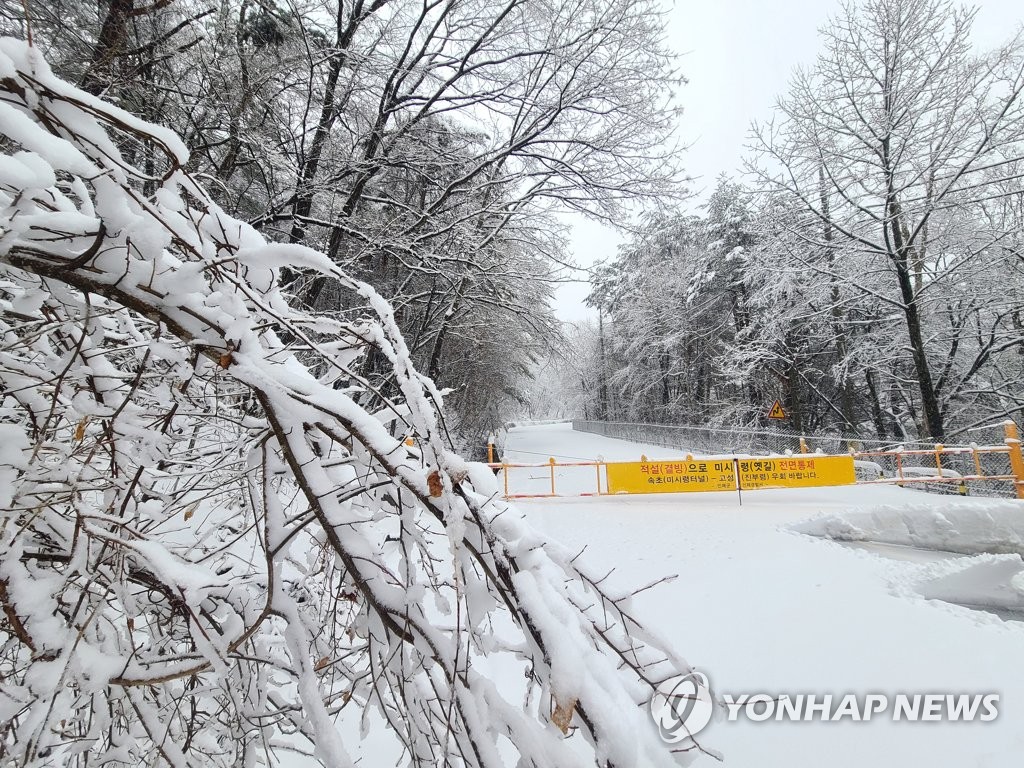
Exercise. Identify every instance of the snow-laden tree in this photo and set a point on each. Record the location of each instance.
(894, 143)
(797, 347)
(871, 277)
(642, 293)
(210, 551)
(424, 146)
(677, 298)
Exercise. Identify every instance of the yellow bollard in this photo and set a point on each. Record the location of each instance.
(1016, 459)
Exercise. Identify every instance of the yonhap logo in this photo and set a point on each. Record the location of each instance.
(911, 708)
(682, 706)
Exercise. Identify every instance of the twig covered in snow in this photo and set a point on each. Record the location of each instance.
(209, 548)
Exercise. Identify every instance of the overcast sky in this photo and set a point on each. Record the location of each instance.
(738, 56)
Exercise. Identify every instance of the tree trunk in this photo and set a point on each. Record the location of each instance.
(109, 45)
(792, 398)
(311, 164)
(931, 412)
(846, 398)
(901, 257)
(876, 406)
(603, 383)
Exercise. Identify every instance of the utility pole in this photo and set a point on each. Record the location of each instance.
(603, 386)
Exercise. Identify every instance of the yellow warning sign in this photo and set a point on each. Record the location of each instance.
(716, 474)
(776, 411)
(671, 476)
(796, 472)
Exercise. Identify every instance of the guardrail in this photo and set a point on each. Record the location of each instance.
(990, 470)
(904, 473)
(550, 464)
(993, 469)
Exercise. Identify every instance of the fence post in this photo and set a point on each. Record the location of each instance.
(551, 461)
(1016, 459)
(803, 445)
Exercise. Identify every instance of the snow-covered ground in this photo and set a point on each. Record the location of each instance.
(764, 609)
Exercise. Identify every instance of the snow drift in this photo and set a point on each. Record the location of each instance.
(968, 527)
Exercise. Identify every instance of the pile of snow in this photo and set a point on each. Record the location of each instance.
(989, 582)
(868, 470)
(968, 527)
(929, 472)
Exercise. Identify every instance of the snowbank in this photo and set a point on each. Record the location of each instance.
(990, 582)
(968, 527)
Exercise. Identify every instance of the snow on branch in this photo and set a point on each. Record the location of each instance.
(215, 545)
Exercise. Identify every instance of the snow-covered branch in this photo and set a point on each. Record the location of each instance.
(210, 549)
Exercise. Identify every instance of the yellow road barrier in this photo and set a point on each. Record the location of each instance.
(671, 476)
(803, 470)
(719, 474)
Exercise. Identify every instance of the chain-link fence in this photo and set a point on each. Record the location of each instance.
(731, 440)
(965, 469)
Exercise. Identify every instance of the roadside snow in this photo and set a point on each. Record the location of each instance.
(989, 583)
(968, 526)
(763, 609)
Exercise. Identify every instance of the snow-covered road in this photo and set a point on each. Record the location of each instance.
(763, 609)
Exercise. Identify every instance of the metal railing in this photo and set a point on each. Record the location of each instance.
(981, 470)
(989, 470)
(551, 465)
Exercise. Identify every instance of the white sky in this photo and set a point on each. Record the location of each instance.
(738, 56)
